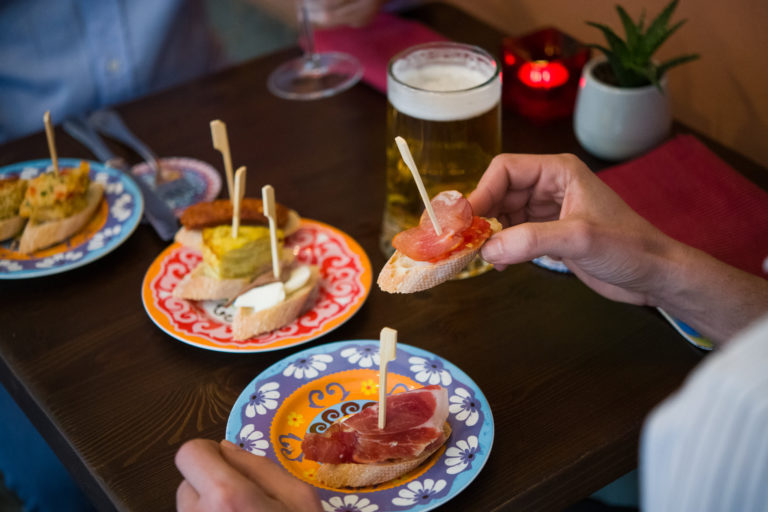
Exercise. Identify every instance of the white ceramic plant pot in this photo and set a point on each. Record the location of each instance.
(615, 123)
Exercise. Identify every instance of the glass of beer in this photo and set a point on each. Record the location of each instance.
(444, 99)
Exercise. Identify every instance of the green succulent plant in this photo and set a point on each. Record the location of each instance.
(630, 59)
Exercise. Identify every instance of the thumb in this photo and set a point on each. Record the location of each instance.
(530, 240)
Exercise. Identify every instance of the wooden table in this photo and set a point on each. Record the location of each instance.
(569, 375)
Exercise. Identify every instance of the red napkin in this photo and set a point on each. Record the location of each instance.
(691, 195)
(376, 43)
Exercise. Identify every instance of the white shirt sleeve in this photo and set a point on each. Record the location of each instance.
(706, 447)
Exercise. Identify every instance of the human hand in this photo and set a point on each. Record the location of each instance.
(333, 13)
(554, 205)
(224, 477)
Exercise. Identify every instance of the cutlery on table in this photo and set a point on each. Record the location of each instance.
(156, 210)
(109, 123)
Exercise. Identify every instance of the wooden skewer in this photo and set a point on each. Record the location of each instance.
(51, 141)
(221, 143)
(387, 345)
(239, 192)
(405, 152)
(268, 200)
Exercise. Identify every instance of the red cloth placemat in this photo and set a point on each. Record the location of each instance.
(691, 195)
(376, 43)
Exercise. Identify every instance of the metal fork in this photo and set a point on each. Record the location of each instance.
(110, 123)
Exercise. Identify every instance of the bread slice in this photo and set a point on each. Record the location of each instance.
(11, 227)
(193, 238)
(402, 274)
(40, 235)
(248, 323)
(363, 475)
(197, 285)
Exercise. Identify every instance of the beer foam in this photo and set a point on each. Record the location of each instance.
(443, 92)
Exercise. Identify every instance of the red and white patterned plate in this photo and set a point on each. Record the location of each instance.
(345, 272)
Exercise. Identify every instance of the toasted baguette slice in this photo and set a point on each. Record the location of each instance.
(193, 238)
(38, 236)
(402, 274)
(248, 323)
(198, 286)
(363, 475)
(11, 227)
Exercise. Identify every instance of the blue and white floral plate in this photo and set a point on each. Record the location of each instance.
(309, 390)
(112, 224)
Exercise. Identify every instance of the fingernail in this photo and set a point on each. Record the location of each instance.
(228, 444)
(492, 250)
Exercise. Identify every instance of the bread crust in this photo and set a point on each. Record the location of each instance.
(363, 475)
(198, 286)
(248, 323)
(11, 227)
(45, 234)
(402, 274)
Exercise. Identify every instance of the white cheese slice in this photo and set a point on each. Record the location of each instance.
(298, 278)
(262, 297)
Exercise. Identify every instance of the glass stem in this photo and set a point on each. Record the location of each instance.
(307, 34)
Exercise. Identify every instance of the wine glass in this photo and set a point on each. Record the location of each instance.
(313, 75)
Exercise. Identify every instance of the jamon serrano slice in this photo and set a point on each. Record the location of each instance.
(414, 420)
(424, 259)
(355, 452)
(422, 243)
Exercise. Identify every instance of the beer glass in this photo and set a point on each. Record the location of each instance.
(444, 100)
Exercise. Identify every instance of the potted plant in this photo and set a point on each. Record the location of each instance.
(622, 108)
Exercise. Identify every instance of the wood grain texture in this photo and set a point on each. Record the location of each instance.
(569, 375)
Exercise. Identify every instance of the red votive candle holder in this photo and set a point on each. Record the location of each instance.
(541, 73)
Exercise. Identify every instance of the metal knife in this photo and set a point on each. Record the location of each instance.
(156, 211)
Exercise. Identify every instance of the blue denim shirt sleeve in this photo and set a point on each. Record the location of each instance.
(74, 56)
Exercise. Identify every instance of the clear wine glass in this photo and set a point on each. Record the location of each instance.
(313, 75)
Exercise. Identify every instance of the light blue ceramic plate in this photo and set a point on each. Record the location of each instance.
(110, 226)
(309, 390)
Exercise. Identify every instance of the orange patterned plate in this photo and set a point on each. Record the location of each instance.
(345, 282)
(309, 390)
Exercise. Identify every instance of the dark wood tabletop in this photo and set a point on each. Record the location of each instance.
(568, 374)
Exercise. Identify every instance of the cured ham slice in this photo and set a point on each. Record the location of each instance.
(422, 243)
(414, 424)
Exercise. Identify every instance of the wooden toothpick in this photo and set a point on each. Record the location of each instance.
(387, 349)
(268, 200)
(239, 192)
(221, 143)
(405, 152)
(51, 141)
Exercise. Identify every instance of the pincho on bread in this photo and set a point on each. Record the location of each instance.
(355, 452)
(219, 212)
(238, 266)
(57, 205)
(11, 195)
(423, 259)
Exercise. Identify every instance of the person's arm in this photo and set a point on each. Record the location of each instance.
(705, 448)
(224, 477)
(554, 205)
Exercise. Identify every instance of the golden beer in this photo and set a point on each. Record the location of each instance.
(444, 100)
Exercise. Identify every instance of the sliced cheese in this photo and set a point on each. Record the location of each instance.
(262, 297)
(272, 294)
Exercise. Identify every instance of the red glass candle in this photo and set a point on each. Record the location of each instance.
(542, 72)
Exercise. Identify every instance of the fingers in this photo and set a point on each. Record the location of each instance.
(187, 498)
(275, 481)
(524, 242)
(332, 13)
(217, 484)
(515, 182)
